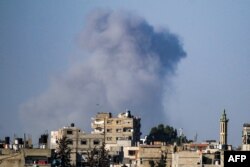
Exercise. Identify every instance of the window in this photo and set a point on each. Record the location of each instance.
(109, 130)
(129, 138)
(70, 141)
(127, 130)
(109, 138)
(131, 152)
(69, 132)
(120, 138)
(127, 122)
(96, 142)
(118, 130)
(118, 122)
(83, 142)
(109, 121)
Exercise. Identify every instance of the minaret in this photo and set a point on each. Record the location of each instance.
(223, 128)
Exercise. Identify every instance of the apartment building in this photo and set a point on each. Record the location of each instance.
(123, 130)
(80, 142)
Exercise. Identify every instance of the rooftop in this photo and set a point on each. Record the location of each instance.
(246, 125)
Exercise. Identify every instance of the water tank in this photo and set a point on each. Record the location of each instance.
(72, 125)
(7, 140)
(43, 139)
(20, 140)
(16, 141)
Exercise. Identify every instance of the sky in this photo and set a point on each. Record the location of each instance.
(64, 61)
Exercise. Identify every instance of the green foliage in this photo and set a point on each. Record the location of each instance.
(151, 163)
(165, 134)
(162, 162)
(63, 152)
(98, 157)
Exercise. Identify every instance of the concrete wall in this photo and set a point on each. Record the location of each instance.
(12, 160)
(193, 159)
(9, 158)
(186, 159)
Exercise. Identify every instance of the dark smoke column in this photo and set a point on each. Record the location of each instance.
(135, 57)
(124, 65)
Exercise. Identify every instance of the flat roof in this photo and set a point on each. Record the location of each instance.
(246, 125)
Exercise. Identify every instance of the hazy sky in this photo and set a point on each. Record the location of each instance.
(41, 45)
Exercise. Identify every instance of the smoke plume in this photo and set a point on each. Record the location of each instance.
(124, 65)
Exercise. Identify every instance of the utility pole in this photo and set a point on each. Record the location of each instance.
(104, 130)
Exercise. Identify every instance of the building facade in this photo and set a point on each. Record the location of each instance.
(25, 157)
(80, 142)
(148, 155)
(123, 130)
(246, 137)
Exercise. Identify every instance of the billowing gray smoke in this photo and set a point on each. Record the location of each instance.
(125, 65)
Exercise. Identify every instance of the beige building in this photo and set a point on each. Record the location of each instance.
(205, 154)
(123, 130)
(148, 155)
(246, 137)
(119, 132)
(25, 157)
(197, 159)
(80, 142)
(186, 159)
(154, 154)
(131, 156)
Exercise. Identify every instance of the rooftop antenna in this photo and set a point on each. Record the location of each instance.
(181, 132)
(196, 137)
(181, 135)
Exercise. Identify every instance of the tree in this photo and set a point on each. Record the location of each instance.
(92, 157)
(98, 157)
(104, 157)
(165, 134)
(62, 155)
(151, 163)
(162, 162)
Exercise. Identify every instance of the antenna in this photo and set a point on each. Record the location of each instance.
(195, 137)
(181, 132)
(181, 135)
